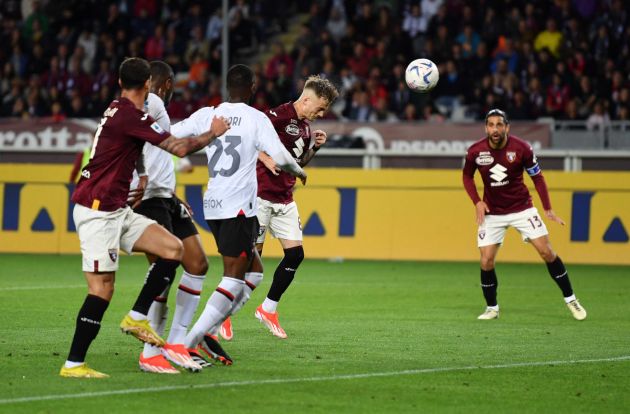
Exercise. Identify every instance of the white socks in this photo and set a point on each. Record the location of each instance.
(188, 295)
(252, 280)
(269, 305)
(157, 316)
(569, 299)
(217, 309)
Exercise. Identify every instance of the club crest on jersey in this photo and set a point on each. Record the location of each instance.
(113, 254)
(511, 156)
(292, 129)
(484, 159)
(482, 235)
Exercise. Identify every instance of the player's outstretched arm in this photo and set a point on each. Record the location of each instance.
(287, 163)
(551, 215)
(184, 146)
(320, 139)
(268, 162)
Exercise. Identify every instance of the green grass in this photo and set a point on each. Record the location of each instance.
(414, 323)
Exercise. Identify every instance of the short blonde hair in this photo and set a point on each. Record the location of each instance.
(322, 87)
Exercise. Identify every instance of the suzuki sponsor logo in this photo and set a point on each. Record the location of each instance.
(498, 175)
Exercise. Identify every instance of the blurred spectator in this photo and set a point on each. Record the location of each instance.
(182, 106)
(154, 48)
(469, 39)
(599, 118)
(557, 96)
(336, 24)
(549, 39)
(197, 46)
(198, 69)
(410, 113)
(215, 27)
(361, 109)
(381, 112)
(279, 57)
(489, 53)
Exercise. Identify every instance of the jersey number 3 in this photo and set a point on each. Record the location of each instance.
(232, 142)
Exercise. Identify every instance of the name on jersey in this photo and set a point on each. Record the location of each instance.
(292, 129)
(234, 120)
(484, 158)
(212, 203)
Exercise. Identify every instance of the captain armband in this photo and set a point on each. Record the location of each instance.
(532, 171)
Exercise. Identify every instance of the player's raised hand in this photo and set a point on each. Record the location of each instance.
(219, 126)
(320, 138)
(269, 163)
(482, 209)
(303, 178)
(552, 216)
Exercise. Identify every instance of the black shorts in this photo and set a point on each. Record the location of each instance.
(170, 213)
(235, 236)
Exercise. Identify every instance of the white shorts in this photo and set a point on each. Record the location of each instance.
(282, 220)
(103, 233)
(527, 222)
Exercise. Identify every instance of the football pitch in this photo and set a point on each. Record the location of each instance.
(364, 337)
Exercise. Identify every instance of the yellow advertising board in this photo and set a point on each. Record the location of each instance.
(355, 214)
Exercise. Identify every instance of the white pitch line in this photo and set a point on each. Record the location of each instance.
(10, 288)
(305, 379)
(45, 287)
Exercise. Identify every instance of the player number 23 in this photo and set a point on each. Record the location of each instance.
(231, 142)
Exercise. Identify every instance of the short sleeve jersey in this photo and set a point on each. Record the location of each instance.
(295, 135)
(502, 173)
(232, 157)
(117, 144)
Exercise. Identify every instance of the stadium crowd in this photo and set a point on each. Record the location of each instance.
(567, 59)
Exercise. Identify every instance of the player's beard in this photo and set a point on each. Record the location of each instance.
(501, 137)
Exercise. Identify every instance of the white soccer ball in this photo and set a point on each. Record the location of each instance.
(422, 75)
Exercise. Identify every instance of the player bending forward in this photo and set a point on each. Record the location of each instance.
(501, 159)
(229, 203)
(277, 211)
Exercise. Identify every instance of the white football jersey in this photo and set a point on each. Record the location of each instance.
(157, 162)
(232, 157)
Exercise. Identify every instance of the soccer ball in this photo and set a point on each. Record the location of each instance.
(422, 75)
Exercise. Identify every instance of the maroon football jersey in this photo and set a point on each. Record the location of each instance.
(118, 141)
(502, 173)
(295, 134)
